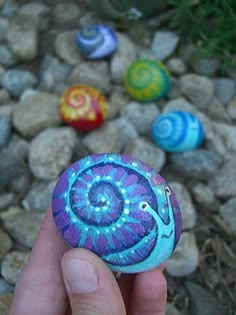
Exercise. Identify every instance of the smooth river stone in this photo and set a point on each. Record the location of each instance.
(120, 208)
(83, 107)
(177, 131)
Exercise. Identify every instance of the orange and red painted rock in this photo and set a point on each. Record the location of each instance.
(83, 107)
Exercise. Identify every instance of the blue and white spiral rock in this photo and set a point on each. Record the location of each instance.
(177, 131)
(96, 41)
(119, 208)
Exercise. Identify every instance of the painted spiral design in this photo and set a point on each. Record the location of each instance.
(96, 41)
(147, 80)
(177, 131)
(119, 208)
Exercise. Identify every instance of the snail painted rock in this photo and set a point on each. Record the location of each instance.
(119, 208)
(177, 131)
(83, 107)
(96, 41)
(147, 80)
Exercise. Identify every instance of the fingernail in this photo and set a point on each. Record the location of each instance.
(80, 275)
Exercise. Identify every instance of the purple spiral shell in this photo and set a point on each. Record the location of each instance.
(119, 208)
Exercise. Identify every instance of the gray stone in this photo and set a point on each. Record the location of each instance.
(224, 89)
(18, 147)
(140, 116)
(51, 152)
(93, 73)
(22, 37)
(6, 243)
(66, 49)
(9, 8)
(164, 44)
(5, 127)
(23, 226)
(6, 299)
(204, 196)
(4, 24)
(227, 211)
(59, 88)
(35, 113)
(205, 66)
(198, 89)
(66, 13)
(16, 81)
(117, 100)
(126, 53)
(189, 216)
(4, 97)
(203, 301)
(6, 199)
(176, 66)
(216, 111)
(223, 183)
(5, 286)
(39, 11)
(107, 138)
(12, 265)
(52, 71)
(7, 59)
(126, 129)
(39, 195)
(1, 3)
(144, 150)
(231, 108)
(9, 167)
(185, 258)
(145, 53)
(200, 163)
(172, 310)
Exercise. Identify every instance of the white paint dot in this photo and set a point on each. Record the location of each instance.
(105, 208)
(119, 225)
(127, 201)
(67, 208)
(98, 232)
(146, 241)
(89, 185)
(97, 209)
(120, 256)
(118, 183)
(107, 231)
(98, 177)
(111, 158)
(108, 178)
(132, 251)
(123, 219)
(103, 199)
(65, 194)
(123, 191)
(126, 211)
(134, 164)
(73, 175)
(113, 229)
(88, 162)
(86, 229)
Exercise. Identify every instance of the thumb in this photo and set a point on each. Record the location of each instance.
(91, 286)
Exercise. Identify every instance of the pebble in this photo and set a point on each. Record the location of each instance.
(126, 53)
(7, 59)
(204, 196)
(18, 147)
(4, 96)
(141, 116)
(9, 167)
(5, 302)
(164, 44)
(223, 183)
(227, 211)
(216, 110)
(119, 99)
(6, 243)
(9, 8)
(39, 11)
(203, 301)
(58, 144)
(22, 225)
(224, 89)
(126, 129)
(176, 66)
(66, 13)
(185, 258)
(16, 81)
(21, 183)
(172, 310)
(90, 73)
(4, 24)
(22, 37)
(198, 89)
(12, 265)
(205, 66)
(6, 199)
(107, 138)
(52, 71)
(35, 113)
(200, 163)
(66, 49)
(5, 287)
(39, 195)
(144, 150)
(5, 127)
(189, 215)
(231, 108)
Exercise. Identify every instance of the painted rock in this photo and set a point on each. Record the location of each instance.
(147, 80)
(83, 107)
(96, 41)
(119, 208)
(177, 131)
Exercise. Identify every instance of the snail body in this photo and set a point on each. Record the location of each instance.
(177, 131)
(147, 80)
(119, 208)
(96, 41)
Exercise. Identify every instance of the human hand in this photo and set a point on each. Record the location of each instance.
(58, 281)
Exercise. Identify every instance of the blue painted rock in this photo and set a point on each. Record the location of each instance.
(96, 41)
(119, 208)
(147, 80)
(177, 131)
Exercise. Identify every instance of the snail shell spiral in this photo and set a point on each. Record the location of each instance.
(147, 80)
(177, 131)
(96, 41)
(119, 208)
